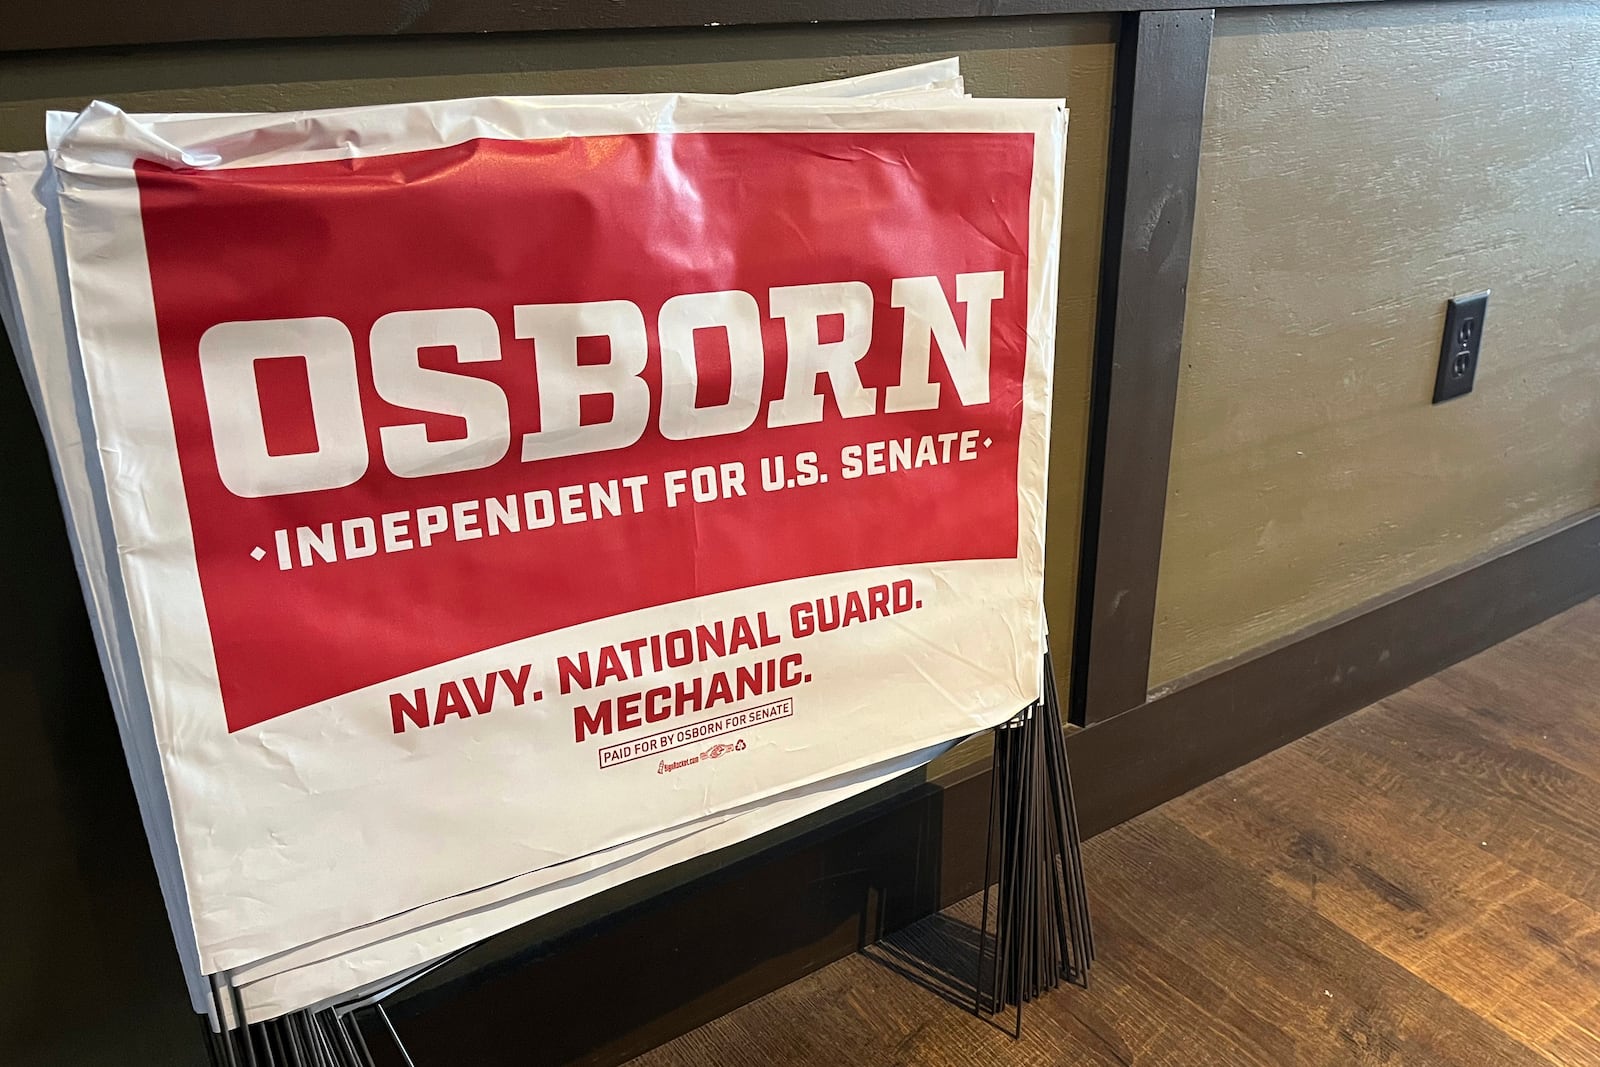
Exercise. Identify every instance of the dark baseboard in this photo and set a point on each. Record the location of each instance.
(1247, 707)
(612, 977)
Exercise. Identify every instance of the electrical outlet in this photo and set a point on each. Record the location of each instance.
(1458, 351)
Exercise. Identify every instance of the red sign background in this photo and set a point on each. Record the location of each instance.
(492, 224)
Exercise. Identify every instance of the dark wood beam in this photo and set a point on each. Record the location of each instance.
(116, 23)
(1159, 105)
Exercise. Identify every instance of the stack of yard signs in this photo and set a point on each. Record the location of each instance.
(483, 503)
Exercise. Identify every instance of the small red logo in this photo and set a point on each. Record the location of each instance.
(716, 751)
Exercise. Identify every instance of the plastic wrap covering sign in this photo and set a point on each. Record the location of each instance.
(495, 484)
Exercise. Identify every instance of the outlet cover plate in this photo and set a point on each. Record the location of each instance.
(1458, 349)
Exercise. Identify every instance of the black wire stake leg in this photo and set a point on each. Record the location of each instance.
(395, 1036)
(223, 1053)
(1041, 928)
(361, 1043)
(307, 1038)
(988, 877)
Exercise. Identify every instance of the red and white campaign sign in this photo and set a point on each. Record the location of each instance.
(496, 483)
(419, 427)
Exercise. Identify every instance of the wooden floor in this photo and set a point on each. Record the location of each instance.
(1416, 884)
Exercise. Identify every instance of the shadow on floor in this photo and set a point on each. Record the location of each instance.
(939, 954)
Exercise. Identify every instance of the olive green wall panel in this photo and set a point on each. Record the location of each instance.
(1360, 165)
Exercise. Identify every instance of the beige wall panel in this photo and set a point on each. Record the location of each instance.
(1043, 57)
(1361, 165)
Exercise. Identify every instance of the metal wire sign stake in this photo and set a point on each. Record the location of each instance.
(1041, 935)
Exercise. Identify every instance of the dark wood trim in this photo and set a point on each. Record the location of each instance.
(1254, 704)
(1162, 60)
(620, 973)
(116, 23)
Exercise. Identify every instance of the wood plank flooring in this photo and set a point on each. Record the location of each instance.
(1416, 884)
